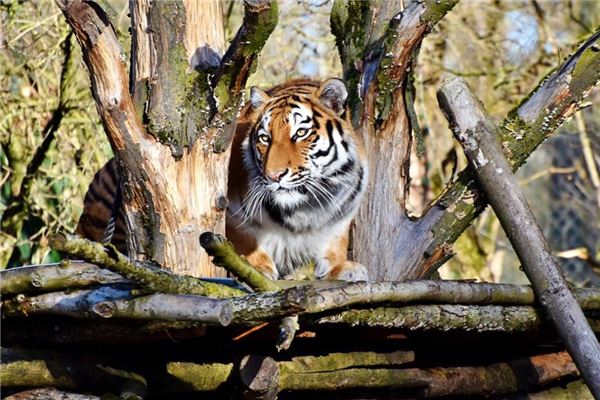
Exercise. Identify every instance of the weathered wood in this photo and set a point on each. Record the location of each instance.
(49, 394)
(47, 278)
(174, 176)
(259, 377)
(168, 307)
(148, 276)
(117, 302)
(445, 318)
(201, 377)
(477, 134)
(573, 391)
(334, 361)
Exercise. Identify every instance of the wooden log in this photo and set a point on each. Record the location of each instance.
(49, 394)
(117, 302)
(335, 361)
(199, 377)
(166, 307)
(259, 377)
(576, 390)
(32, 369)
(444, 318)
(477, 134)
(47, 278)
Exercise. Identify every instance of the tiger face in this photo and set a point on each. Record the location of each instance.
(303, 158)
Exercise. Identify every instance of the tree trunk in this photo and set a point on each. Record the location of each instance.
(171, 126)
(169, 211)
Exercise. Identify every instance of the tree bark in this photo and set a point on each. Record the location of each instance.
(477, 134)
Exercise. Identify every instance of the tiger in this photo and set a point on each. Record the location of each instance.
(297, 174)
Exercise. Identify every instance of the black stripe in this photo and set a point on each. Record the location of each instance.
(324, 153)
(344, 169)
(329, 127)
(106, 199)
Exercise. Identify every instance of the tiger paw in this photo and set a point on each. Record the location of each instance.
(350, 271)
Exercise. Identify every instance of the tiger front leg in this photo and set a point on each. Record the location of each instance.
(263, 263)
(336, 266)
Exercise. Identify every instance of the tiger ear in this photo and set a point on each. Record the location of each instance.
(333, 94)
(258, 97)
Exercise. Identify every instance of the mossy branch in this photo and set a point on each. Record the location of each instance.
(26, 368)
(47, 278)
(228, 83)
(224, 255)
(148, 276)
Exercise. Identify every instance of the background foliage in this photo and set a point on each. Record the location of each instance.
(501, 47)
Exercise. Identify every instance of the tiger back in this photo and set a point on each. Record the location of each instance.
(296, 177)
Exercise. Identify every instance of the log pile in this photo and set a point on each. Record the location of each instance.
(108, 325)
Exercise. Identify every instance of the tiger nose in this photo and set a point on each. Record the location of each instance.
(277, 174)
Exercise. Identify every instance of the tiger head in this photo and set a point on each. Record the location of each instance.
(302, 151)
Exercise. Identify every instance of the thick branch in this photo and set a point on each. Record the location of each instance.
(477, 134)
(168, 307)
(557, 97)
(229, 82)
(103, 57)
(445, 318)
(150, 277)
(47, 278)
(116, 301)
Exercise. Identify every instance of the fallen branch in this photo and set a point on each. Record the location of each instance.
(444, 318)
(47, 278)
(168, 307)
(116, 302)
(149, 277)
(477, 134)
